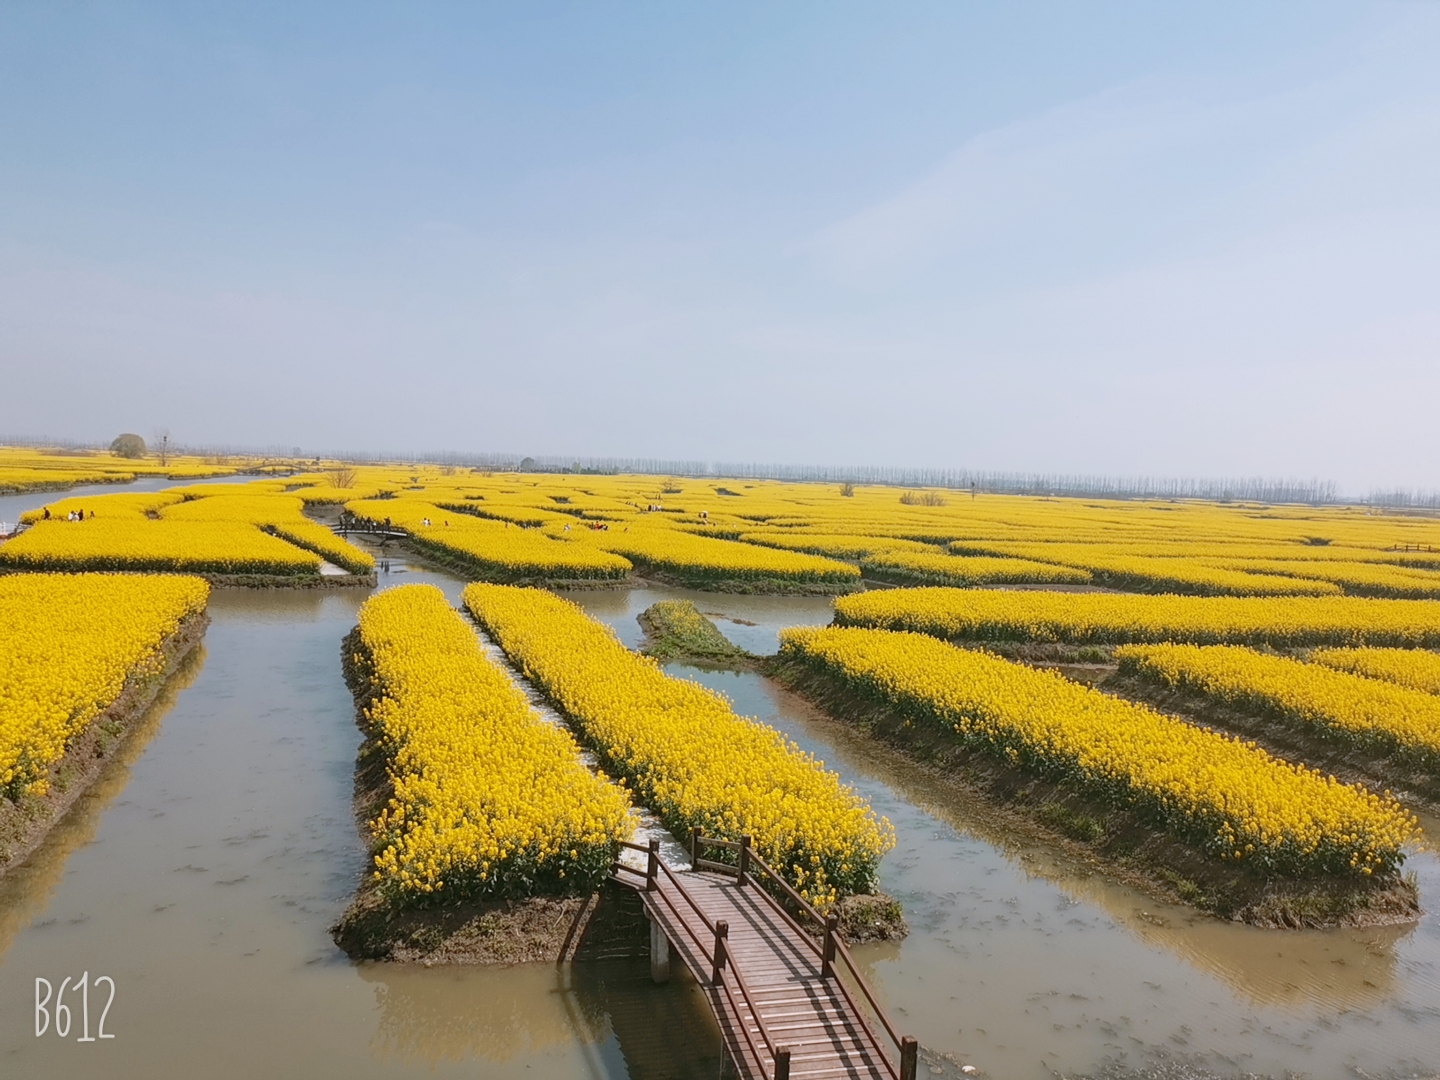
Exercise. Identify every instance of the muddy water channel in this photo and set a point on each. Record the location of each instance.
(202, 873)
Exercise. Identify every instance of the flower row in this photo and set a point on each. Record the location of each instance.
(488, 799)
(1229, 797)
(684, 750)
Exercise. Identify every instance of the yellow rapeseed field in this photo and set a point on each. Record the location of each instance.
(683, 749)
(1353, 707)
(982, 614)
(1356, 578)
(916, 568)
(704, 559)
(211, 528)
(213, 547)
(1153, 573)
(1415, 668)
(68, 643)
(833, 545)
(489, 799)
(1235, 799)
(27, 469)
(493, 548)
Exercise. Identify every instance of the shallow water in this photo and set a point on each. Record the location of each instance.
(203, 870)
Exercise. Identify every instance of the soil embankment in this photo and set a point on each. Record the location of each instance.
(291, 581)
(25, 823)
(746, 586)
(1117, 840)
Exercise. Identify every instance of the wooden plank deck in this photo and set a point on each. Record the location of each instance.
(770, 965)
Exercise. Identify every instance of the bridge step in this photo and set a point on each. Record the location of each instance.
(780, 966)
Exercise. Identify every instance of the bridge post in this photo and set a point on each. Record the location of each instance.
(832, 924)
(744, 860)
(722, 934)
(694, 849)
(652, 865)
(782, 1063)
(659, 953)
(909, 1057)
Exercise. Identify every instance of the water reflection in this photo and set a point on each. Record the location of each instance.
(457, 1013)
(25, 890)
(624, 1024)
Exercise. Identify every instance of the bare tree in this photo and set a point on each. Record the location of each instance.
(922, 498)
(342, 476)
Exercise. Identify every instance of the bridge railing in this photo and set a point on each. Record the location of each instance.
(830, 948)
(716, 953)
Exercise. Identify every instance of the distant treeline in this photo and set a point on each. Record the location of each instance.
(1253, 489)
(1405, 500)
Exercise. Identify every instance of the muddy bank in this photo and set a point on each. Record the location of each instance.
(291, 581)
(25, 822)
(609, 924)
(1121, 842)
(757, 586)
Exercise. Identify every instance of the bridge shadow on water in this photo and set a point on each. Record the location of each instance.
(600, 1002)
(663, 1032)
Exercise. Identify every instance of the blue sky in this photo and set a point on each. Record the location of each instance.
(1195, 239)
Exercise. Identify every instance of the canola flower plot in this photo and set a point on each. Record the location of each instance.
(706, 560)
(214, 528)
(134, 506)
(316, 538)
(492, 549)
(211, 547)
(912, 568)
(1157, 574)
(17, 480)
(488, 799)
(68, 645)
(1356, 578)
(834, 545)
(1415, 668)
(1098, 618)
(23, 469)
(1233, 799)
(683, 749)
(1352, 708)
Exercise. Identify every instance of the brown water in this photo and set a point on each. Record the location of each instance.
(203, 870)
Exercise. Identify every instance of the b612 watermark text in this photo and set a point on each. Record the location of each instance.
(56, 1015)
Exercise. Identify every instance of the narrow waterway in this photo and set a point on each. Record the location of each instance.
(203, 871)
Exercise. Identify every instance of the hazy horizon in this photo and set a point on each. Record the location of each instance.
(1031, 238)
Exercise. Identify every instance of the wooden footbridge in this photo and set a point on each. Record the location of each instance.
(788, 1004)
